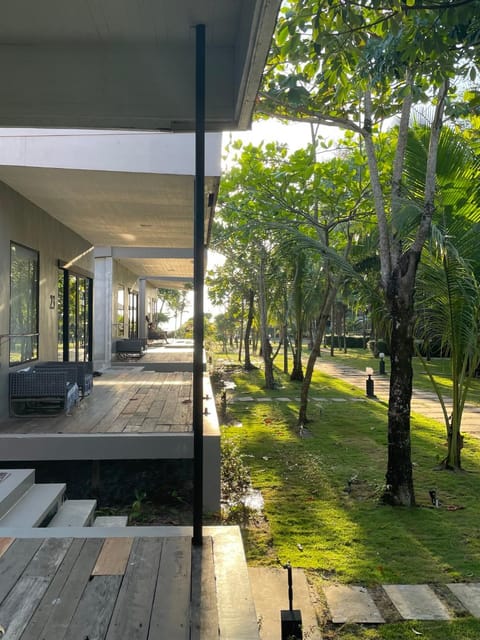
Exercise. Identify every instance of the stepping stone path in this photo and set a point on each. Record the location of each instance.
(416, 602)
(351, 604)
(469, 596)
(354, 604)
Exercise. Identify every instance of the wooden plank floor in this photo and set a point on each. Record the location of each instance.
(124, 400)
(140, 588)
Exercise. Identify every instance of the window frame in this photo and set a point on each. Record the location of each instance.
(34, 286)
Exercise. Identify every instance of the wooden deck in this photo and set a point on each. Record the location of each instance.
(124, 400)
(145, 584)
(135, 412)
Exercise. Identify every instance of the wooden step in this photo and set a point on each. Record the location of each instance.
(13, 484)
(74, 513)
(110, 521)
(34, 506)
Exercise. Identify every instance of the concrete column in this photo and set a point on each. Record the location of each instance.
(102, 308)
(142, 308)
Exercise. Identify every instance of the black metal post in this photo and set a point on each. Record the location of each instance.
(291, 619)
(370, 388)
(381, 366)
(290, 587)
(198, 281)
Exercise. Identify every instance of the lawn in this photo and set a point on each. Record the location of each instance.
(322, 491)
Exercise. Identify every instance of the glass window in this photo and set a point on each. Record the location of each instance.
(24, 265)
(120, 312)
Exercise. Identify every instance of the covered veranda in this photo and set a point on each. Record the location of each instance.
(189, 66)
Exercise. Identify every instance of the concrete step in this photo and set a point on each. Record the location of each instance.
(74, 513)
(110, 521)
(270, 593)
(13, 484)
(236, 608)
(34, 506)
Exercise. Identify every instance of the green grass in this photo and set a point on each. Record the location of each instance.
(314, 523)
(463, 629)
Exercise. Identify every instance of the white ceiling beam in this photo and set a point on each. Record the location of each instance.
(152, 253)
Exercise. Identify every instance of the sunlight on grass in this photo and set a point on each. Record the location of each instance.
(322, 492)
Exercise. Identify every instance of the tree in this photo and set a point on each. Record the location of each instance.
(451, 305)
(248, 247)
(449, 276)
(308, 210)
(354, 65)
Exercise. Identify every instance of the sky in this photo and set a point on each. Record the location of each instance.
(295, 134)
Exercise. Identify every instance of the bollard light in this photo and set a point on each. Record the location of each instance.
(370, 389)
(381, 364)
(291, 619)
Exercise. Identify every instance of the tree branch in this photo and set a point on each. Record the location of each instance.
(383, 232)
(430, 175)
(399, 160)
(304, 115)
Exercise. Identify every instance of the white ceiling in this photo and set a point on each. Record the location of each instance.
(120, 209)
(130, 64)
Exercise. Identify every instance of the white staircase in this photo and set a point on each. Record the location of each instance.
(74, 513)
(26, 504)
(110, 521)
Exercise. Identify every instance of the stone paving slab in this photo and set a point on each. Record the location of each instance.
(416, 602)
(351, 604)
(469, 596)
(270, 594)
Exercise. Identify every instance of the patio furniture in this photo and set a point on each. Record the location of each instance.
(79, 372)
(131, 347)
(41, 392)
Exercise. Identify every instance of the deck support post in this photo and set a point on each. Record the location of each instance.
(198, 283)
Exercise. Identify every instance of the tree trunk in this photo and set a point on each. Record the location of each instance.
(399, 297)
(265, 341)
(298, 299)
(453, 459)
(297, 371)
(240, 342)
(332, 330)
(284, 339)
(248, 366)
(321, 324)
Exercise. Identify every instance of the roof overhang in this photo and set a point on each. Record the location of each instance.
(125, 64)
(130, 195)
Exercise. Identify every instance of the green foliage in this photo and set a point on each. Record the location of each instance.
(325, 54)
(235, 477)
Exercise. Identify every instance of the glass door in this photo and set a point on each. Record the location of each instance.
(74, 317)
(132, 314)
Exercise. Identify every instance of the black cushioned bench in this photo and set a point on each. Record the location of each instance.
(79, 372)
(41, 392)
(129, 347)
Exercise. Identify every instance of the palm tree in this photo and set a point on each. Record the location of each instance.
(450, 298)
(449, 277)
